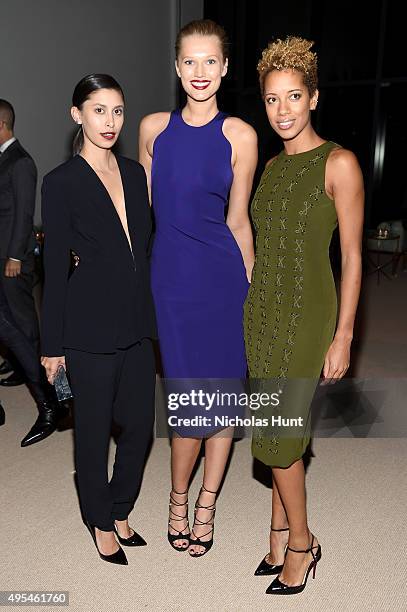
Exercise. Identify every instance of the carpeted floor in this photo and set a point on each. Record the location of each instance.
(357, 496)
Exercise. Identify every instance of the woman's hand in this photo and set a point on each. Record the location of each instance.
(337, 360)
(51, 365)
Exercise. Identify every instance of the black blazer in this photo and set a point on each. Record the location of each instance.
(106, 303)
(18, 182)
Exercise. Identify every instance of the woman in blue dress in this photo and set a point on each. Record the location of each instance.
(197, 161)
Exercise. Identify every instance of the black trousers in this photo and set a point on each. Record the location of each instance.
(24, 350)
(117, 387)
(19, 294)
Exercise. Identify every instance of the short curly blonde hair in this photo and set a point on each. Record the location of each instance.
(291, 53)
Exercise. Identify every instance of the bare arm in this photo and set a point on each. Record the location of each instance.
(150, 127)
(244, 146)
(345, 182)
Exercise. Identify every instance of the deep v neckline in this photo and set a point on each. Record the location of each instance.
(128, 239)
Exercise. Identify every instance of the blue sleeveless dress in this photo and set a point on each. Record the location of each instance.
(199, 280)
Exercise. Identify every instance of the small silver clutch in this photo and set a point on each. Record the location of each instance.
(61, 385)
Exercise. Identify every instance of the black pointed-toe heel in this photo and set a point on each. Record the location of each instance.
(174, 517)
(279, 588)
(268, 569)
(119, 557)
(134, 540)
(207, 545)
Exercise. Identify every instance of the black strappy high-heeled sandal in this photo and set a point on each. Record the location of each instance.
(207, 545)
(268, 569)
(172, 537)
(279, 588)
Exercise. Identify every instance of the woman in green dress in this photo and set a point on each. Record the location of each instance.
(312, 186)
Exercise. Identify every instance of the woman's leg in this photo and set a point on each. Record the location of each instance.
(93, 380)
(291, 487)
(278, 539)
(184, 453)
(133, 411)
(217, 449)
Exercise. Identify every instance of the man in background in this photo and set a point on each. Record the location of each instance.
(19, 330)
(18, 180)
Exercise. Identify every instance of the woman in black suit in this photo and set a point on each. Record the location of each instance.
(99, 321)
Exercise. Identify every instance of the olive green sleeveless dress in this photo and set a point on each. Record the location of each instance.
(290, 311)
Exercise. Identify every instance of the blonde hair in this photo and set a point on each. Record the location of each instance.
(292, 53)
(203, 27)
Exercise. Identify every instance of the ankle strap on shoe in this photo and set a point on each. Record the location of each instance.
(211, 507)
(178, 493)
(304, 551)
(283, 529)
(174, 502)
(203, 488)
(173, 516)
(199, 523)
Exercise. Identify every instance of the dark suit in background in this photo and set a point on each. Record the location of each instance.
(12, 337)
(18, 179)
(19, 330)
(101, 318)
